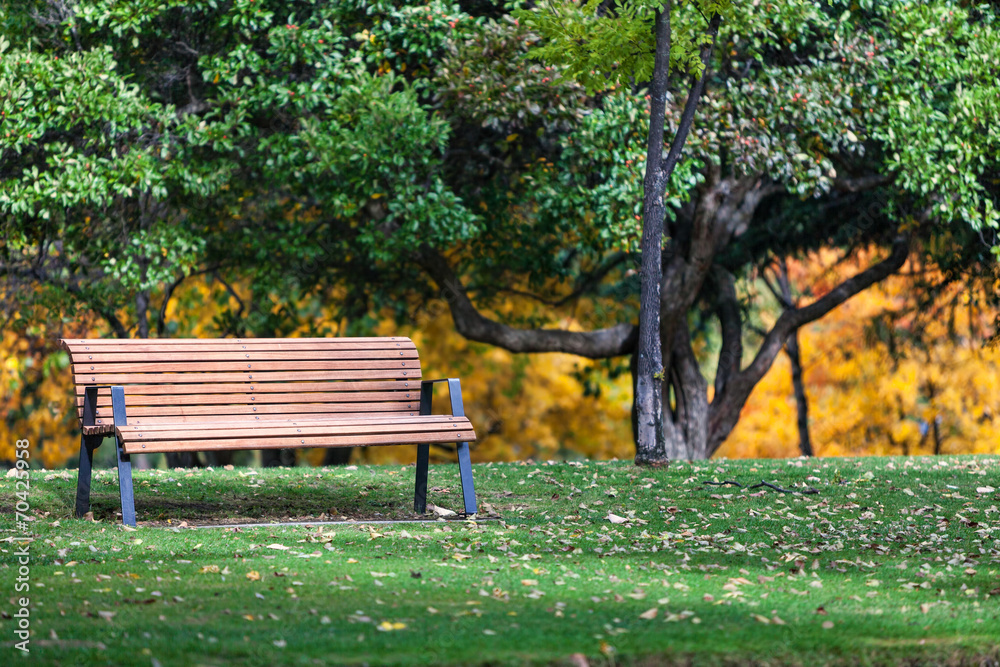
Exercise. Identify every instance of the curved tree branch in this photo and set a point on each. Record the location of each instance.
(687, 116)
(725, 409)
(614, 341)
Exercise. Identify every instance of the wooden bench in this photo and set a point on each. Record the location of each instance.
(190, 395)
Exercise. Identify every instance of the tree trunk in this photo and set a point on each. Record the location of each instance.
(272, 458)
(337, 456)
(653, 430)
(650, 447)
(799, 388)
(792, 350)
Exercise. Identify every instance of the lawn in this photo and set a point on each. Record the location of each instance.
(894, 561)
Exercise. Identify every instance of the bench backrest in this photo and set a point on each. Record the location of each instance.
(197, 380)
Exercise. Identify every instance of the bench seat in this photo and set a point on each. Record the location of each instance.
(191, 395)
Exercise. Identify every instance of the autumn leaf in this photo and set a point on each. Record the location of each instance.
(253, 575)
(649, 614)
(388, 626)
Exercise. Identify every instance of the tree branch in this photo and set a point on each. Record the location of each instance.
(726, 407)
(470, 323)
(39, 274)
(687, 117)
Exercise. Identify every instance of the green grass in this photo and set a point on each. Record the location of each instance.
(895, 561)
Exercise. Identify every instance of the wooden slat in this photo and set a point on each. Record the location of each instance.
(236, 423)
(407, 374)
(251, 386)
(279, 430)
(346, 340)
(229, 345)
(288, 443)
(201, 419)
(87, 358)
(198, 365)
(246, 393)
(162, 411)
(253, 398)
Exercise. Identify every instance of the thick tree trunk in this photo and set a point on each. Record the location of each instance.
(650, 447)
(792, 350)
(337, 456)
(654, 422)
(799, 389)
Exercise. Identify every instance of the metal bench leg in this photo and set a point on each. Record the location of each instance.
(88, 443)
(125, 486)
(124, 461)
(420, 495)
(464, 462)
(465, 469)
(423, 453)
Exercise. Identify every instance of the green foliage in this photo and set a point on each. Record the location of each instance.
(594, 189)
(606, 47)
(485, 79)
(941, 103)
(129, 129)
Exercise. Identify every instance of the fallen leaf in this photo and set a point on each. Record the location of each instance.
(614, 518)
(827, 625)
(253, 575)
(387, 626)
(279, 547)
(649, 614)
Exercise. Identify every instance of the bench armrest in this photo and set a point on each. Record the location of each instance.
(454, 392)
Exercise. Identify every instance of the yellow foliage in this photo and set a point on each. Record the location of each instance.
(36, 398)
(521, 405)
(864, 400)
